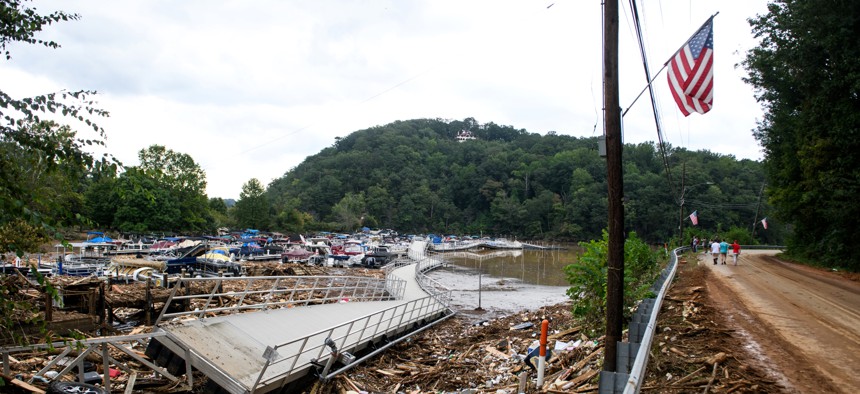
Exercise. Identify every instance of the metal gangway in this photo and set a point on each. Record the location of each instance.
(278, 330)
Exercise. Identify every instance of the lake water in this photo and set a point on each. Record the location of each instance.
(537, 267)
(506, 281)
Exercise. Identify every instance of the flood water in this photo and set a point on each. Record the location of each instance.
(506, 281)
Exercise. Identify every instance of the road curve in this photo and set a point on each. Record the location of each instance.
(804, 321)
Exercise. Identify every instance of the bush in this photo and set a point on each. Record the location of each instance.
(588, 278)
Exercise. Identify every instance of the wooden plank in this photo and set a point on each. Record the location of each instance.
(129, 386)
(27, 386)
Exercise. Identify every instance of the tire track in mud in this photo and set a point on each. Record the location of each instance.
(851, 315)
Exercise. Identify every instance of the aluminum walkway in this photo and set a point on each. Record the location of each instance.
(274, 344)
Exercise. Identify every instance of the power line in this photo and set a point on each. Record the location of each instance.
(662, 146)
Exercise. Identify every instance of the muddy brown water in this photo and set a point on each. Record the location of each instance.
(491, 283)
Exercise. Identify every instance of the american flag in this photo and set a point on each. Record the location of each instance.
(764, 223)
(694, 217)
(691, 72)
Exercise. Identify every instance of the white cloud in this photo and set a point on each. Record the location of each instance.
(249, 89)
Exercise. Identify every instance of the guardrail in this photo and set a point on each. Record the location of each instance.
(632, 356)
(202, 297)
(641, 333)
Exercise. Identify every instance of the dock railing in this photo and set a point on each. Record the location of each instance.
(312, 349)
(411, 317)
(205, 297)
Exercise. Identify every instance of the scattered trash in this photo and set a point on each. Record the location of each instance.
(522, 326)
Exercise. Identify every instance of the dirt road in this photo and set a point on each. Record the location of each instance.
(800, 323)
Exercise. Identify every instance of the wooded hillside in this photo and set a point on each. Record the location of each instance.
(415, 176)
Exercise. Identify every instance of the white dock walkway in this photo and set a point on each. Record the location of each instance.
(264, 350)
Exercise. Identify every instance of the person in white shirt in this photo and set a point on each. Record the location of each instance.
(715, 250)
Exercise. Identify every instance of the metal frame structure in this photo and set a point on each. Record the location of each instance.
(369, 334)
(99, 347)
(293, 290)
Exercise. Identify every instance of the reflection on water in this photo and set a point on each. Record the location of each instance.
(539, 267)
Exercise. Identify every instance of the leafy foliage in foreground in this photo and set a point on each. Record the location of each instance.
(42, 163)
(587, 278)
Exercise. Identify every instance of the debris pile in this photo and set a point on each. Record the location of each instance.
(692, 352)
(483, 356)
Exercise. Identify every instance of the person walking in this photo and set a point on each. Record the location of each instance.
(715, 250)
(695, 244)
(736, 250)
(724, 250)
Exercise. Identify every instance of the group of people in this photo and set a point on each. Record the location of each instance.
(719, 250)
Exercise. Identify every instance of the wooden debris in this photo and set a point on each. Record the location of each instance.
(564, 333)
(678, 352)
(22, 384)
(492, 350)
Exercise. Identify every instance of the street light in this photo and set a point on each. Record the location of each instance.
(681, 210)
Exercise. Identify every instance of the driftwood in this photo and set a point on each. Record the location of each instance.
(565, 332)
(685, 378)
(581, 379)
(678, 352)
(492, 350)
(711, 381)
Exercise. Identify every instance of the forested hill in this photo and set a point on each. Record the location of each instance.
(415, 176)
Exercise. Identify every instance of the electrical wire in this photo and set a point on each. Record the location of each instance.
(657, 121)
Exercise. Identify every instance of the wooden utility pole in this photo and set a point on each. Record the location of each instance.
(681, 239)
(612, 126)
(757, 208)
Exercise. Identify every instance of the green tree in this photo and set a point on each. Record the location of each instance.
(349, 212)
(807, 77)
(217, 204)
(218, 211)
(183, 178)
(252, 209)
(101, 202)
(22, 128)
(145, 205)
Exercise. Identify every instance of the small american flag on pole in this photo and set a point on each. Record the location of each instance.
(691, 72)
(764, 223)
(694, 217)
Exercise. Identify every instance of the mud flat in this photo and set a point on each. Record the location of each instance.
(498, 296)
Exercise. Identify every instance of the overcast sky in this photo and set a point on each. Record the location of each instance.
(251, 88)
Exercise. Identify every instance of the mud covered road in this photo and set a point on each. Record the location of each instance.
(800, 324)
